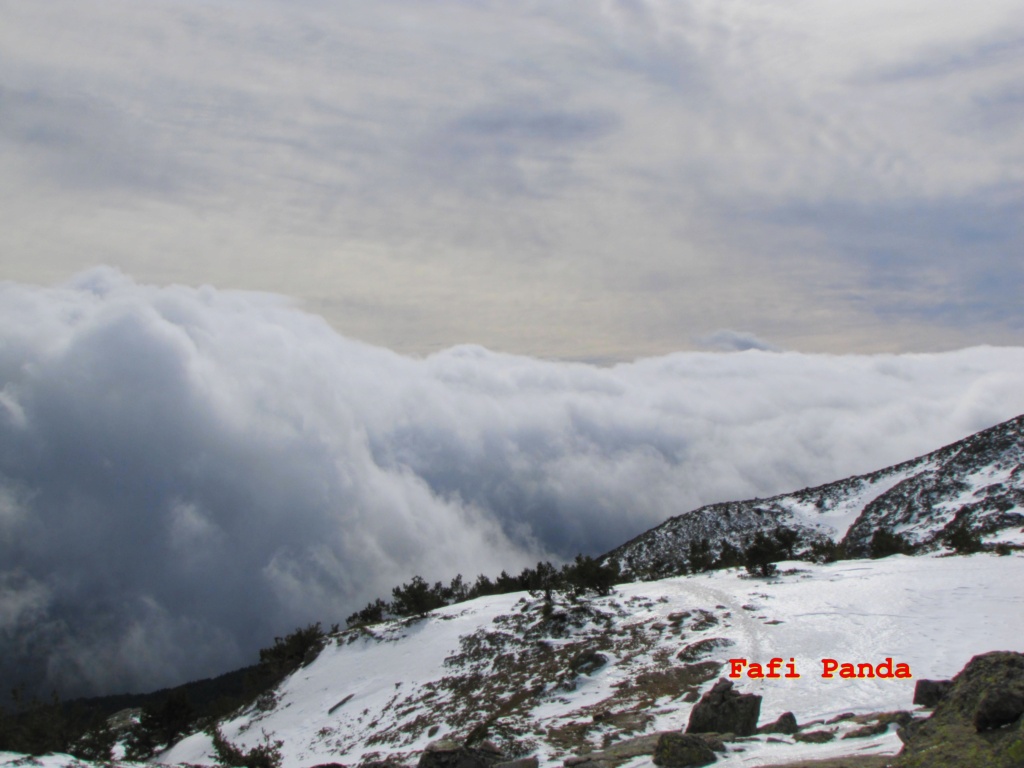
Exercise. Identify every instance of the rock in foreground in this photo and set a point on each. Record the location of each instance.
(680, 750)
(978, 723)
(724, 710)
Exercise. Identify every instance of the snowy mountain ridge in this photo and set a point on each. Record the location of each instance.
(977, 483)
(586, 676)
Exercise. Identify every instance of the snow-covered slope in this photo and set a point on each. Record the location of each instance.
(565, 678)
(977, 482)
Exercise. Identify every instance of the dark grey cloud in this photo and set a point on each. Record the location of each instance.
(185, 473)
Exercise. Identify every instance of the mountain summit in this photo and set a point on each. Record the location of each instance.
(975, 485)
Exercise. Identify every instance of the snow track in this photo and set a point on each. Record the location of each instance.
(933, 613)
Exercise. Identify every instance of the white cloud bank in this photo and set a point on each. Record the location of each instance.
(186, 472)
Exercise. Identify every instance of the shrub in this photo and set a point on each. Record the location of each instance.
(786, 539)
(885, 542)
(288, 652)
(699, 556)
(373, 613)
(34, 727)
(96, 744)
(961, 539)
(730, 556)
(586, 574)
(160, 725)
(482, 586)
(760, 555)
(416, 597)
(265, 755)
(825, 551)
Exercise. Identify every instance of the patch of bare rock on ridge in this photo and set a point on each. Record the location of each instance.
(977, 721)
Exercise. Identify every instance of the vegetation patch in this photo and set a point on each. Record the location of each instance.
(702, 648)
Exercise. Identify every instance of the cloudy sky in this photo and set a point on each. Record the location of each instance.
(300, 299)
(591, 179)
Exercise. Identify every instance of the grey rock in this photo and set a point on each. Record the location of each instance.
(702, 648)
(785, 724)
(679, 750)
(724, 710)
(978, 723)
(928, 693)
(815, 737)
(523, 762)
(445, 753)
(587, 662)
(997, 708)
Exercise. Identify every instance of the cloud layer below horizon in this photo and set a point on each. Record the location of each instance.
(185, 473)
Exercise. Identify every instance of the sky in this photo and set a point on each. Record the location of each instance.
(588, 180)
(298, 300)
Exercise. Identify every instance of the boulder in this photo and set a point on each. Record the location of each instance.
(997, 708)
(928, 693)
(978, 723)
(587, 662)
(701, 648)
(447, 754)
(785, 724)
(724, 710)
(523, 762)
(678, 750)
(866, 731)
(815, 737)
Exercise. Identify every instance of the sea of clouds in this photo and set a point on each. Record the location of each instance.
(187, 472)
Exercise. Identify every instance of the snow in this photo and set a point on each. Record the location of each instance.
(836, 519)
(1006, 536)
(15, 760)
(932, 613)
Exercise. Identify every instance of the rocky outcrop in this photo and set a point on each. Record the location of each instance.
(980, 722)
(587, 662)
(702, 648)
(929, 693)
(927, 498)
(815, 737)
(523, 762)
(448, 754)
(623, 751)
(997, 708)
(616, 754)
(724, 710)
(680, 750)
(785, 724)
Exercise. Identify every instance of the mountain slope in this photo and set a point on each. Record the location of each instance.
(977, 482)
(560, 679)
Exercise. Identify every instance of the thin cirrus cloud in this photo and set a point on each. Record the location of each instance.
(586, 180)
(186, 472)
